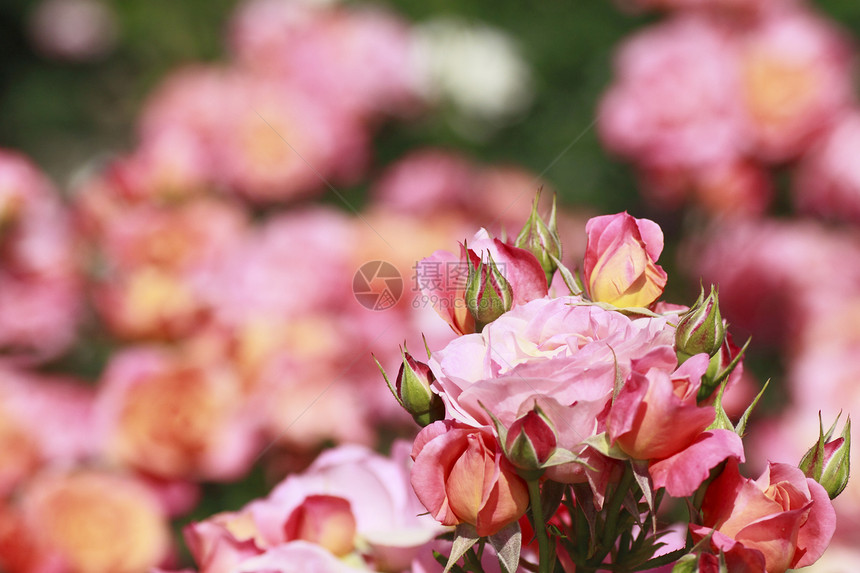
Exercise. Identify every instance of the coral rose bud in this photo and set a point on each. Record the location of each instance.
(702, 328)
(828, 461)
(324, 520)
(460, 476)
(620, 260)
(488, 292)
(541, 239)
(531, 440)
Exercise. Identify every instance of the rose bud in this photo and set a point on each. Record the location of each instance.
(701, 329)
(827, 462)
(412, 390)
(488, 292)
(620, 261)
(531, 440)
(460, 476)
(541, 239)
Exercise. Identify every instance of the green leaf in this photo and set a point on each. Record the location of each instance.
(601, 443)
(465, 536)
(741, 427)
(507, 544)
(570, 281)
(387, 382)
(643, 480)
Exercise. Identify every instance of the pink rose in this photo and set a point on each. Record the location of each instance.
(532, 353)
(443, 277)
(86, 520)
(674, 101)
(655, 417)
(350, 57)
(174, 418)
(620, 260)
(351, 503)
(784, 516)
(655, 414)
(461, 476)
(40, 295)
(827, 182)
(796, 80)
(426, 180)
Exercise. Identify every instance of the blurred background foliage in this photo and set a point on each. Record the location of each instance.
(64, 114)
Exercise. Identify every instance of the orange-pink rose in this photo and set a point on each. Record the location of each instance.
(461, 476)
(784, 516)
(620, 266)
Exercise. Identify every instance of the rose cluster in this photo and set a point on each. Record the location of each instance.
(747, 111)
(587, 403)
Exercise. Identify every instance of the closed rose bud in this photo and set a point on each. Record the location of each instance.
(413, 389)
(541, 239)
(620, 261)
(701, 329)
(827, 462)
(460, 476)
(488, 292)
(531, 440)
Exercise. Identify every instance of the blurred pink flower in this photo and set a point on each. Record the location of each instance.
(167, 416)
(157, 263)
(358, 59)
(796, 80)
(426, 180)
(827, 181)
(383, 529)
(770, 272)
(40, 296)
(44, 421)
(75, 30)
(262, 137)
(87, 520)
(741, 188)
(674, 103)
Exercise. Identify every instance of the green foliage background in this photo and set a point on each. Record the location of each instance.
(64, 114)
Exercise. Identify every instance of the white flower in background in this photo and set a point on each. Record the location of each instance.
(478, 69)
